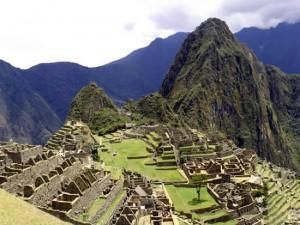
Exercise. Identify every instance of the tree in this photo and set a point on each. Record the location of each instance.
(198, 180)
(94, 151)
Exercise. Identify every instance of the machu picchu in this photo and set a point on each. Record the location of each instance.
(142, 166)
(216, 144)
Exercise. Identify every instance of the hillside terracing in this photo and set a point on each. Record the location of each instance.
(148, 175)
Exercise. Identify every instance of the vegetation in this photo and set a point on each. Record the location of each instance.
(152, 138)
(198, 179)
(282, 196)
(89, 100)
(117, 157)
(92, 106)
(152, 109)
(106, 121)
(185, 200)
(15, 211)
(216, 83)
(108, 213)
(93, 209)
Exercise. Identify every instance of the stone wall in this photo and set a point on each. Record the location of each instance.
(117, 208)
(109, 200)
(255, 220)
(211, 191)
(219, 219)
(90, 195)
(29, 175)
(43, 194)
(19, 155)
(247, 208)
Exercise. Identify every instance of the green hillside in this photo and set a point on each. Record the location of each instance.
(15, 211)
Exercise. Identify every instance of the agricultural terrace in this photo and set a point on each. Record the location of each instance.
(283, 199)
(132, 154)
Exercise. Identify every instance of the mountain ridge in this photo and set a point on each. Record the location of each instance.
(138, 74)
(218, 83)
(56, 84)
(277, 45)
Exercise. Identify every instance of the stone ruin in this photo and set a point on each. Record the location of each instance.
(74, 138)
(142, 199)
(60, 185)
(226, 170)
(242, 163)
(237, 200)
(181, 136)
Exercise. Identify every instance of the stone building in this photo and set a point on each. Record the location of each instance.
(237, 200)
(59, 184)
(71, 139)
(241, 164)
(143, 202)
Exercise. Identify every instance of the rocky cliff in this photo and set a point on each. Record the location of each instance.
(216, 83)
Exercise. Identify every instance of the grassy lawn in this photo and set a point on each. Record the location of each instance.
(185, 199)
(15, 211)
(154, 134)
(105, 217)
(93, 209)
(135, 147)
(129, 147)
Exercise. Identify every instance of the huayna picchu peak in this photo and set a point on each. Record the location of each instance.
(216, 82)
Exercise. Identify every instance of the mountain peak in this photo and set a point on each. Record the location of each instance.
(89, 100)
(214, 27)
(206, 44)
(217, 83)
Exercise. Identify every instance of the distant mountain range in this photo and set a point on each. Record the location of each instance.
(34, 102)
(279, 46)
(24, 114)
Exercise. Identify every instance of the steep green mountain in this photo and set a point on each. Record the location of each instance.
(24, 115)
(152, 108)
(92, 106)
(217, 83)
(278, 46)
(89, 100)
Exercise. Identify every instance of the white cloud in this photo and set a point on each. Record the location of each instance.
(260, 13)
(94, 32)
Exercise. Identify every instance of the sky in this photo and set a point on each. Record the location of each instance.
(95, 32)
